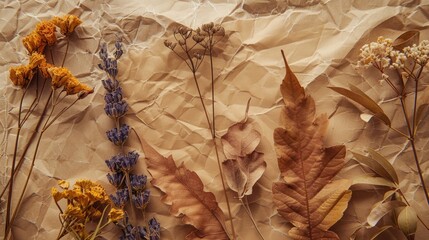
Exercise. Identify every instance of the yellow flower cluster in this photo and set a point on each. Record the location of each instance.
(62, 77)
(86, 201)
(44, 34)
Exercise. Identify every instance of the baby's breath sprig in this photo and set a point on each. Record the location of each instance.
(194, 45)
(131, 191)
(408, 64)
(33, 80)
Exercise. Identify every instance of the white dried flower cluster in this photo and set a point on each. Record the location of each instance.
(376, 53)
(398, 59)
(420, 53)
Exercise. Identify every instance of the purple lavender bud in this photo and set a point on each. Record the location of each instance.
(114, 96)
(120, 198)
(115, 179)
(113, 163)
(103, 52)
(110, 85)
(141, 199)
(117, 109)
(154, 229)
(118, 137)
(141, 231)
(118, 53)
(138, 182)
(129, 161)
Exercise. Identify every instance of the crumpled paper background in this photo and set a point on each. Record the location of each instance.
(321, 40)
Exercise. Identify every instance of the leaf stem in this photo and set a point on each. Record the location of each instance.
(246, 206)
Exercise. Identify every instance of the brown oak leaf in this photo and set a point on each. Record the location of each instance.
(307, 195)
(184, 192)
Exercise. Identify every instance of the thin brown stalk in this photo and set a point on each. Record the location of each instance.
(246, 206)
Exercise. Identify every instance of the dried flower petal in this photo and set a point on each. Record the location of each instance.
(62, 77)
(34, 42)
(47, 30)
(67, 23)
(116, 214)
(21, 76)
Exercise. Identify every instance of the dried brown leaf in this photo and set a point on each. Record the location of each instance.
(184, 192)
(406, 39)
(243, 172)
(240, 140)
(380, 209)
(308, 196)
(378, 164)
(407, 221)
(360, 97)
(244, 165)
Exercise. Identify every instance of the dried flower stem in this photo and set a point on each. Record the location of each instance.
(246, 206)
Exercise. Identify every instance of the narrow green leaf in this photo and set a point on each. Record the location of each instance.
(380, 210)
(376, 166)
(360, 97)
(407, 221)
(386, 164)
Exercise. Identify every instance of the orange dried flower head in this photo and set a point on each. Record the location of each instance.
(36, 59)
(21, 75)
(33, 42)
(47, 30)
(67, 23)
(62, 77)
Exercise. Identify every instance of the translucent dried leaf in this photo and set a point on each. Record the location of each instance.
(407, 221)
(406, 39)
(360, 97)
(184, 192)
(243, 172)
(240, 140)
(307, 196)
(380, 210)
(423, 105)
(378, 164)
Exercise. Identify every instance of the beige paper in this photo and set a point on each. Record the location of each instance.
(321, 40)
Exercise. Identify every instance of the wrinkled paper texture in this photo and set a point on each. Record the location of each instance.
(321, 40)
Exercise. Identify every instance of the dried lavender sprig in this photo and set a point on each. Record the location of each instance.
(131, 188)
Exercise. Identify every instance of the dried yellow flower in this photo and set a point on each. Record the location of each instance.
(63, 184)
(21, 75)
(47, 30)
(62, 77)
(116, 214)
(34, 42)
(66, 23)
(36, 59)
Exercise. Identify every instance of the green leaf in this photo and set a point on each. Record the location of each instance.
(382, 168)
(380, 209)
(360, 97)
(407, 221)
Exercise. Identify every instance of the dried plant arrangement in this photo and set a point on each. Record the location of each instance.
(401, 64)
(131, 196)
(307, 195)
(47, 89)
